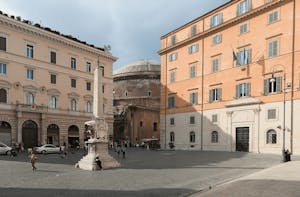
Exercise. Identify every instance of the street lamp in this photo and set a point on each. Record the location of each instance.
(283, 125)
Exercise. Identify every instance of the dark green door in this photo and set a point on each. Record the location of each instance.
(242, 139)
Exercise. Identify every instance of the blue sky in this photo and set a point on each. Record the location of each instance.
(132, 27)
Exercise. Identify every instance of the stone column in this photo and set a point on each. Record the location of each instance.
(19, 127)
(43, 129)
(256, 135)
(98, 95)
(229, 131)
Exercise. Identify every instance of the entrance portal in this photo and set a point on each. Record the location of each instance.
(29, 134)
(53, 134)
(73, 136)
(5, 133)
(242, 139)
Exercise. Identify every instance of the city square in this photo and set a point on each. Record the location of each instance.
(142, 173)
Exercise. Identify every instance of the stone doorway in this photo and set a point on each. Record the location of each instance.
(5, 133)
(73, 136)
(53, 134)
(29, 134)
(242, 139)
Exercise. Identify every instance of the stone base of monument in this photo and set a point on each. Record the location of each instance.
(100, 149)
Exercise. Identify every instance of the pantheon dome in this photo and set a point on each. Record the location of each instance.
(136, 94)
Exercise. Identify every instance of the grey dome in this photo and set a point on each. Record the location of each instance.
(139, 66)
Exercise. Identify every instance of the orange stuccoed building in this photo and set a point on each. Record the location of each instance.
(230, 79)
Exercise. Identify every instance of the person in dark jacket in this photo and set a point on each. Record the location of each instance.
(98, 162)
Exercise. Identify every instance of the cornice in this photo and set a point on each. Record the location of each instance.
(39, 32)
(236, 20)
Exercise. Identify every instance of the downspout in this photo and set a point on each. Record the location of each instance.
(293, 76)
(202, 87)
(166, 88)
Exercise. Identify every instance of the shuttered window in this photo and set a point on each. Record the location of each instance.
(2, 44)
(53, 57)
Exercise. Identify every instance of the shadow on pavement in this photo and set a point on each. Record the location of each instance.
(261, 188)
(16, 192)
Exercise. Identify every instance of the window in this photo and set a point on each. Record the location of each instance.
(273, 48)
(243, 7)
(193, 30)
(73, 104)
(272, 85)
(88, 86)
(215, 94)
(172, 57)
(271, 137)
(194, 98)
(273, 17)
(53, 78)
(3, 96)
(193, 48)
(172, 121)
(173, 40)
(2, 44)
(88, 107)
(73, 63)
(102, 71)
(53, 102)
(214, 118)
(53, 57)
(103, 108)
(216, 20)
(103, 88)
(215, 65)
(171, 102)
(29, 51)
(217, 39)
(172, 136)
(126, 93)
(30, 100)
(214, 137)
(155, 126)
(149, 93)
(88, 67)
(73, 83)
(2, 69)
(192, 137)
(141, 123)
(242, 90)
(173, 76)
(243, 57)
(192, 119)
(243, 28)
(29, 74)
(192, 71)
(271, 114)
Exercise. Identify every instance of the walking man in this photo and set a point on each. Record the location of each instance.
(32, 160)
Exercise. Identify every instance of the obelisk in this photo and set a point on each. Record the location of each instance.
(98, 144)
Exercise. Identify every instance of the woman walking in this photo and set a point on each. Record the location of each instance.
(32, 160)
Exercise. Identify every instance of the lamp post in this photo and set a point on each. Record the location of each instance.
(284, 101)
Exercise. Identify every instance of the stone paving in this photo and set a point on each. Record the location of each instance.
(143, 173)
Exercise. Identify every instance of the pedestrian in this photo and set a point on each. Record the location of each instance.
(123, 151)
(98, 162)
(118, 150)
(33, 160)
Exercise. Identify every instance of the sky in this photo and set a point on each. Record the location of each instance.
(131, 27)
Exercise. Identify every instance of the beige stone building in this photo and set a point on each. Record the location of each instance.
(136, 101)
(46, 84)
(230, 79)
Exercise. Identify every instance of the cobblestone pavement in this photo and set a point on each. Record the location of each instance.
(143, 173)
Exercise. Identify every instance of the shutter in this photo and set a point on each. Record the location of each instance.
(266, 86)
(249, 56)
(210, 96)
(237, 91)
(211, 21)
(191, 98)
(196, 97)
(220, 16)
(220, 94)
(278, 84)
(4, 68)
(248, 93)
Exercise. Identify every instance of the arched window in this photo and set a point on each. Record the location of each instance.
(3, 96)
(214, 137)
(271, 137)
(30, 98)
(73, 105)
(172, 136)
(192, 136)
(88, 107)
(53, 102)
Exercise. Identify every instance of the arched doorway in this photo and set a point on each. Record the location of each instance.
(73, 136)
(53, 134)
(29, 134)
(5, 132)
